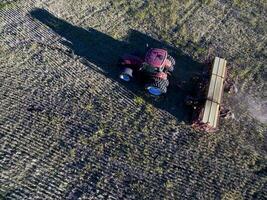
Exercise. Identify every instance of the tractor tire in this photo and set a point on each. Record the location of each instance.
(126, 74)
(157, 86)
(171, 59)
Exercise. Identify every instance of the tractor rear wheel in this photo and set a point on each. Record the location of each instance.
(171, 59)
(157, 86)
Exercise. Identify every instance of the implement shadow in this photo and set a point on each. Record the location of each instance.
(103, 51)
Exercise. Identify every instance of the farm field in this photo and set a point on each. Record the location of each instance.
(70, 129)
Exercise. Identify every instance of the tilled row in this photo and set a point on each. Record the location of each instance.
(86, 140)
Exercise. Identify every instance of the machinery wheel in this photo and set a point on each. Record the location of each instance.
(171, 59)
(126, 74)
(157, 86)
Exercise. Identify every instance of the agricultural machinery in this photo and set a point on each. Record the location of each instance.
(206, 94)
(153, 68)
(207, 97)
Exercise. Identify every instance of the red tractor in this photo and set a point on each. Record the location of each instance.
(153, 68)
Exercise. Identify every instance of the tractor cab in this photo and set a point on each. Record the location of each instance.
(156, 57)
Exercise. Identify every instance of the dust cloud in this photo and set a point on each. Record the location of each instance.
(257, 108)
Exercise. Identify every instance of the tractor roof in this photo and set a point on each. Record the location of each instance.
(156, 57)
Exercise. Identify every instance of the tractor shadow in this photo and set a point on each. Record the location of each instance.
(104, 51)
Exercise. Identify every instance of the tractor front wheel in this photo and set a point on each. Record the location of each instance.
(157, 86)
(126, 74)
